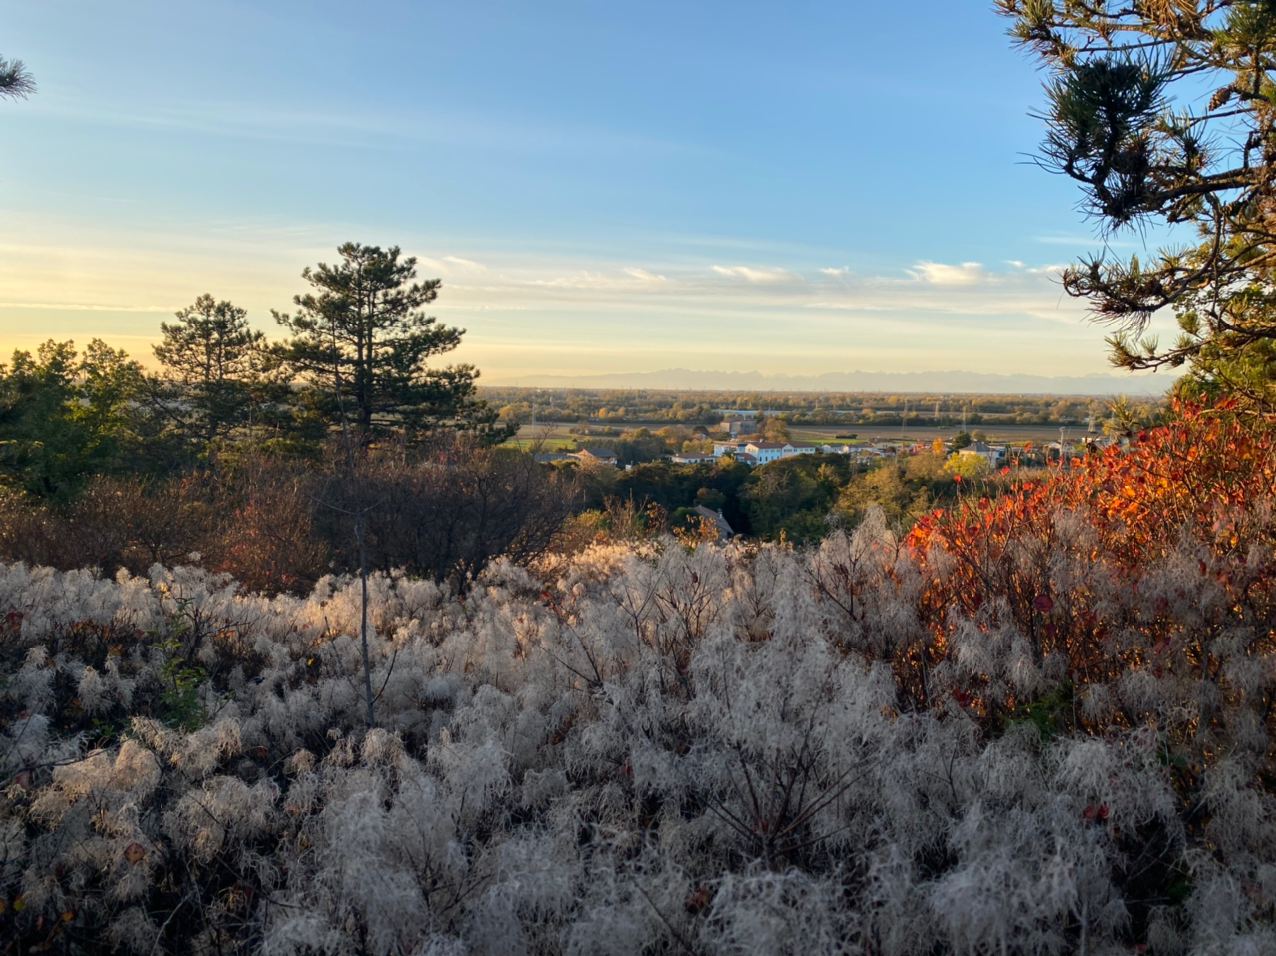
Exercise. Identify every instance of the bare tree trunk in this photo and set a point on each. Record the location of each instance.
(360, 515)
(363, 617)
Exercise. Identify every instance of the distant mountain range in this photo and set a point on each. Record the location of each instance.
(683, 380)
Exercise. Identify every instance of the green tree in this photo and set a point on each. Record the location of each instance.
(711, 498)
(904, 489)
(1206, 163)
(773, 429)
(793, 496)
(110, 385)
(1219, 367)
(214, 359)
(65, 417)
(15, 80)
(361, 339)
(515, 413)
(884, 487)
(38, 439)
(1127, 418)
(639, 445)
(967, 466)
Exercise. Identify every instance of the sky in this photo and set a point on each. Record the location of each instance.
(793, 188)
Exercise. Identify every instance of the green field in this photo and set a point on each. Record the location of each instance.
(541, 444)
(550, 436)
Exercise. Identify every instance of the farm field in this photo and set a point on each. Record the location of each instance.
(995, 433)
(552, 436)
(545, 436)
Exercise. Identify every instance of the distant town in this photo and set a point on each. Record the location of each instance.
(622, 429)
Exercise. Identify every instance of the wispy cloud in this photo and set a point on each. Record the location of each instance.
(1050, 269)
(450, 266)
(629, 278)
(757, 276)
(643, 275)
(943, 274)
(1088, 242)
(365, 129)
(835, 272)
(1019, 293)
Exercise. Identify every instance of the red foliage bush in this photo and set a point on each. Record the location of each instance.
(1047, 557)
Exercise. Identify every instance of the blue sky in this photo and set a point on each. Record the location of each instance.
(798, 187)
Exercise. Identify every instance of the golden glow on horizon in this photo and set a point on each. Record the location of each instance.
(565, 315)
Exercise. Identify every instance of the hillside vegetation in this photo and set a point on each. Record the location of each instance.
(1042, 724)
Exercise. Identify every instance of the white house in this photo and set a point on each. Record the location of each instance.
(733, 447)
(769, 451)
(801, 448)
(993, 454)
(765, 452)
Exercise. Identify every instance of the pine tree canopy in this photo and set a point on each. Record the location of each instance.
(15, 80)
(1163, 112)
(216, 359)
(361, 340)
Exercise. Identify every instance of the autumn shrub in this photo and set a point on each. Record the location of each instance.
(1158, 557)
(266, 536)
(113, 523)
(441, 512)
(26, 529)
(280, 524)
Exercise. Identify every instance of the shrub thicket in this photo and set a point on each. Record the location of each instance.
(282, 524)
(1042, 725)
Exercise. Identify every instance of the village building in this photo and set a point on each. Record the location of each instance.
(733, 447)
(739, 426)
(719, 522)
(769, 451)
(994, 455)
(596, 457)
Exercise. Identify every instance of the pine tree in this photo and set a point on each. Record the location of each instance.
(1127, 121)
(66, 416)
(361, 339)
(15, 80)
(214, 358)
